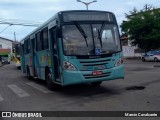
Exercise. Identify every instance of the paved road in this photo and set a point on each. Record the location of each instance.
(17, 93)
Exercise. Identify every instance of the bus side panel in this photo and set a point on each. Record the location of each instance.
(42, 60)
(27, 62)
(37, 60)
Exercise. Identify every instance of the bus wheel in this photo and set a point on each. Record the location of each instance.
(51, 86)
(96, 84)
(28, 74)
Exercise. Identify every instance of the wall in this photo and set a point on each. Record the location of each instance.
(5, 46)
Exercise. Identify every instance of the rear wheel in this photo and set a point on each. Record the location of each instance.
(51, 86)
(96, 84)
(155, 59)
(28, 74)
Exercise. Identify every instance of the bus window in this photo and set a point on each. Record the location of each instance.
(38, 41)
(45, 44)
(110, 39)
(29, 46)
(25, 47)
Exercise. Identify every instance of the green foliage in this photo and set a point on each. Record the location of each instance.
(143, 27)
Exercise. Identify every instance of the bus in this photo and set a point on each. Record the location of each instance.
(74, 47)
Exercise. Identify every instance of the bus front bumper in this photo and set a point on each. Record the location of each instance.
(78, 77)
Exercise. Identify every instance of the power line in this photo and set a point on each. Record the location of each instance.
(5, 28)
(21, 24)
(20, 21)
(15, 22)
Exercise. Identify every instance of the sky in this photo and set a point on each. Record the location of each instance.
(39, 11)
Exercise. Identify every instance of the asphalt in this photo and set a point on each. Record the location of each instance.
(17, 93)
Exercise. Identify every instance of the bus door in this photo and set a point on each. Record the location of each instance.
(56, 58)
(32, 56)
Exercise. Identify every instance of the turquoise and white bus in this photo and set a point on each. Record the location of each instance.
(74, 47)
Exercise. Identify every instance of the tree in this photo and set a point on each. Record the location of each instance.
(143, 27)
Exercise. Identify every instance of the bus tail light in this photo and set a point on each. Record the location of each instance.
(68, 66)
(119, 62)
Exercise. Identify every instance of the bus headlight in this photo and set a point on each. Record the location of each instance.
(68, 66)
(119, 62)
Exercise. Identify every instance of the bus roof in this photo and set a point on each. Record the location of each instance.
(56, 17)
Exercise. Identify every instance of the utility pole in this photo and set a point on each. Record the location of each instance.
(87, 3)
(14, 36)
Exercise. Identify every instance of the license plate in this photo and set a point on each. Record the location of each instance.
(95, 73)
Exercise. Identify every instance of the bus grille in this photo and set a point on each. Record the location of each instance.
(95, 62)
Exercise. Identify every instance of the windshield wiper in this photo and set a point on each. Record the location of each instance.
(99, 33)
(82, 32)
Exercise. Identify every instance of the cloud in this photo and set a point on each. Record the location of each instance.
(30, 1)
(41, 10)
(6, 13)
(130, 3)
(51, 8)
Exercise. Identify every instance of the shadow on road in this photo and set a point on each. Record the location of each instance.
(87, 90)
(81, 90)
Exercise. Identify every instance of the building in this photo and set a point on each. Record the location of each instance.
(5, 48)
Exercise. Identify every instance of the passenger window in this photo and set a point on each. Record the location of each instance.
(38, 42)
(29, 46)
(45, 44)
(25, 47)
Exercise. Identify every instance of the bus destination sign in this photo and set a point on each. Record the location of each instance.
(89, 16)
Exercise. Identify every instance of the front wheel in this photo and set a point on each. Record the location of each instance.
(96, 84)
(51, 86)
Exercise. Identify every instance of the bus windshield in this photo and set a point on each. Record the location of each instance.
(90, 39)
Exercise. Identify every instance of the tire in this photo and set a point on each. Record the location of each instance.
(96, 84)
(143, 59)
(50, 85)
(155, 59)
(28, 74)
